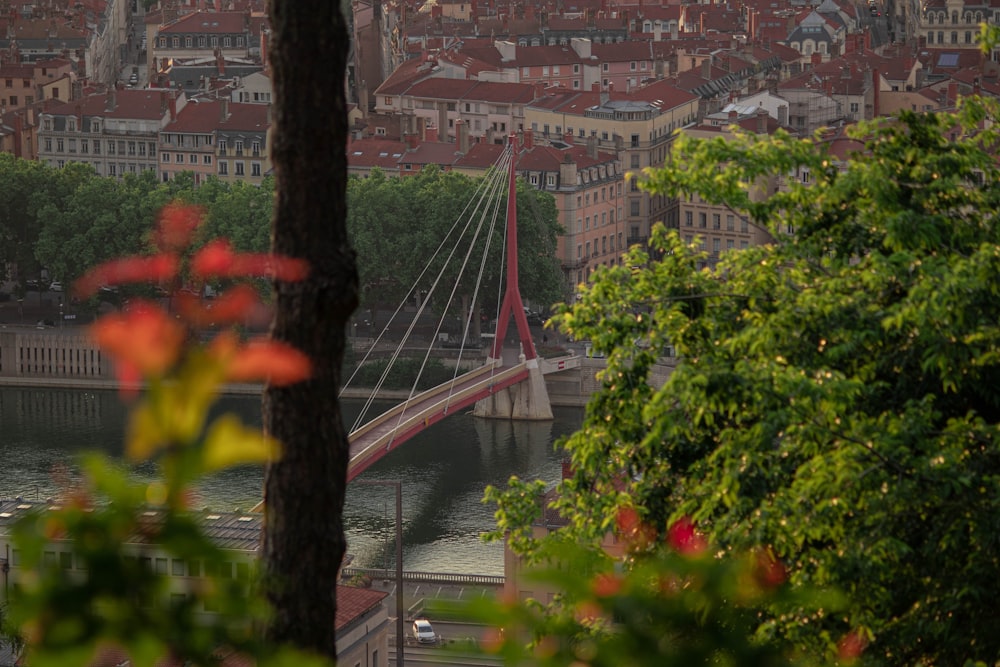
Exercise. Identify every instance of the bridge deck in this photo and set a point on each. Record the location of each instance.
(380, 436)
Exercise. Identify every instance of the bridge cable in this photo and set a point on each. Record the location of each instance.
(496, 184)
(486, 186)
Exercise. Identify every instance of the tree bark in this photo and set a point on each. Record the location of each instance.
(304, 538)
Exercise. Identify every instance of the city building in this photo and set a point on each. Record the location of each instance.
(115, 133)
(243, 140)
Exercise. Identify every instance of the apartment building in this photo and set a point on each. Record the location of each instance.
(637, 127)
(115, 133)
(199, 35)
(719, 228)
(243, 142)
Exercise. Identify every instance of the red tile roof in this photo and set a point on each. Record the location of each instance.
(355, 602)
(207, 23)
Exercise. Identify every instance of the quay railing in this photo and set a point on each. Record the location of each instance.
(425, 577)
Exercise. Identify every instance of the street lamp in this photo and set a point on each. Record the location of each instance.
(400, 637)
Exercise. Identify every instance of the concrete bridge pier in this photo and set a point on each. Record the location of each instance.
(525, 400)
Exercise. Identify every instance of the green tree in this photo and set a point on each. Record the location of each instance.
(89, 220)
(25, 184)
(835, 398)
(397, 226)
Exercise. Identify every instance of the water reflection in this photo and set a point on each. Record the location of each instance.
(444, 472)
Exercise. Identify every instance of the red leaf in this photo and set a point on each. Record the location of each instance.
(144, 341)
(267, 360)
(217, 260)
(685, 539)
(176, 225)
(127, 270)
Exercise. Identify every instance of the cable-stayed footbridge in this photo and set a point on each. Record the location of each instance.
(510, 384)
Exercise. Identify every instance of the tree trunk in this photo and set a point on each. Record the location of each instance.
(304, 538)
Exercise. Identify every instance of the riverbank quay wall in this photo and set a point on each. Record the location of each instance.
(47, 353)
(69, 359)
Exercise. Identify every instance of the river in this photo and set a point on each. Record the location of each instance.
(444, 471)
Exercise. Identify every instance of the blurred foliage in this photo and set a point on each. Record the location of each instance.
(108, 594)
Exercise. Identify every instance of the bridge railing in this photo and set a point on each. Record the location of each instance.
(430, 393)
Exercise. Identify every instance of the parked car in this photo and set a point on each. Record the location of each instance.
(134, 79)
(423, 631)
(56, 286)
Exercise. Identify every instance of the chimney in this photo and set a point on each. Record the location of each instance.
(673, 31)
(706, 68)
(734, 116)
(592, 147)
(657, 30)
(431, 134)
(172, 102)
(816, 59)
(762, 120)
(783, 115)
(952, 93)
(411, 141)
(264, 45)
(876, 86)
(462, 132)
(110, 102)
(223, 110)
(529, 140)
(220, 63)
(539, 89)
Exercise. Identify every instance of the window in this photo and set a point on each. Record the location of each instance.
(240, 168)
(716, 221)
(227, 41)
(213, 40)
(202, 41)
(166, 157)
(716, 246)
(223, 167)
(688, 219)
(84, 146)
(66, 560)
(703, 220)
(161, 565)
(13, 100)
(188, 42)
(255, 168)
(255, 148)
(206, 159)
(604, 67)
(239, 147)
(111, 147)
(177, 567)
(730, 223)
(131, 148)
(179, 158)
(632, 66)
(635, 141)
(634, 207)
(48, 145)
(175, 42)
(194, 568)
(744, 225)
